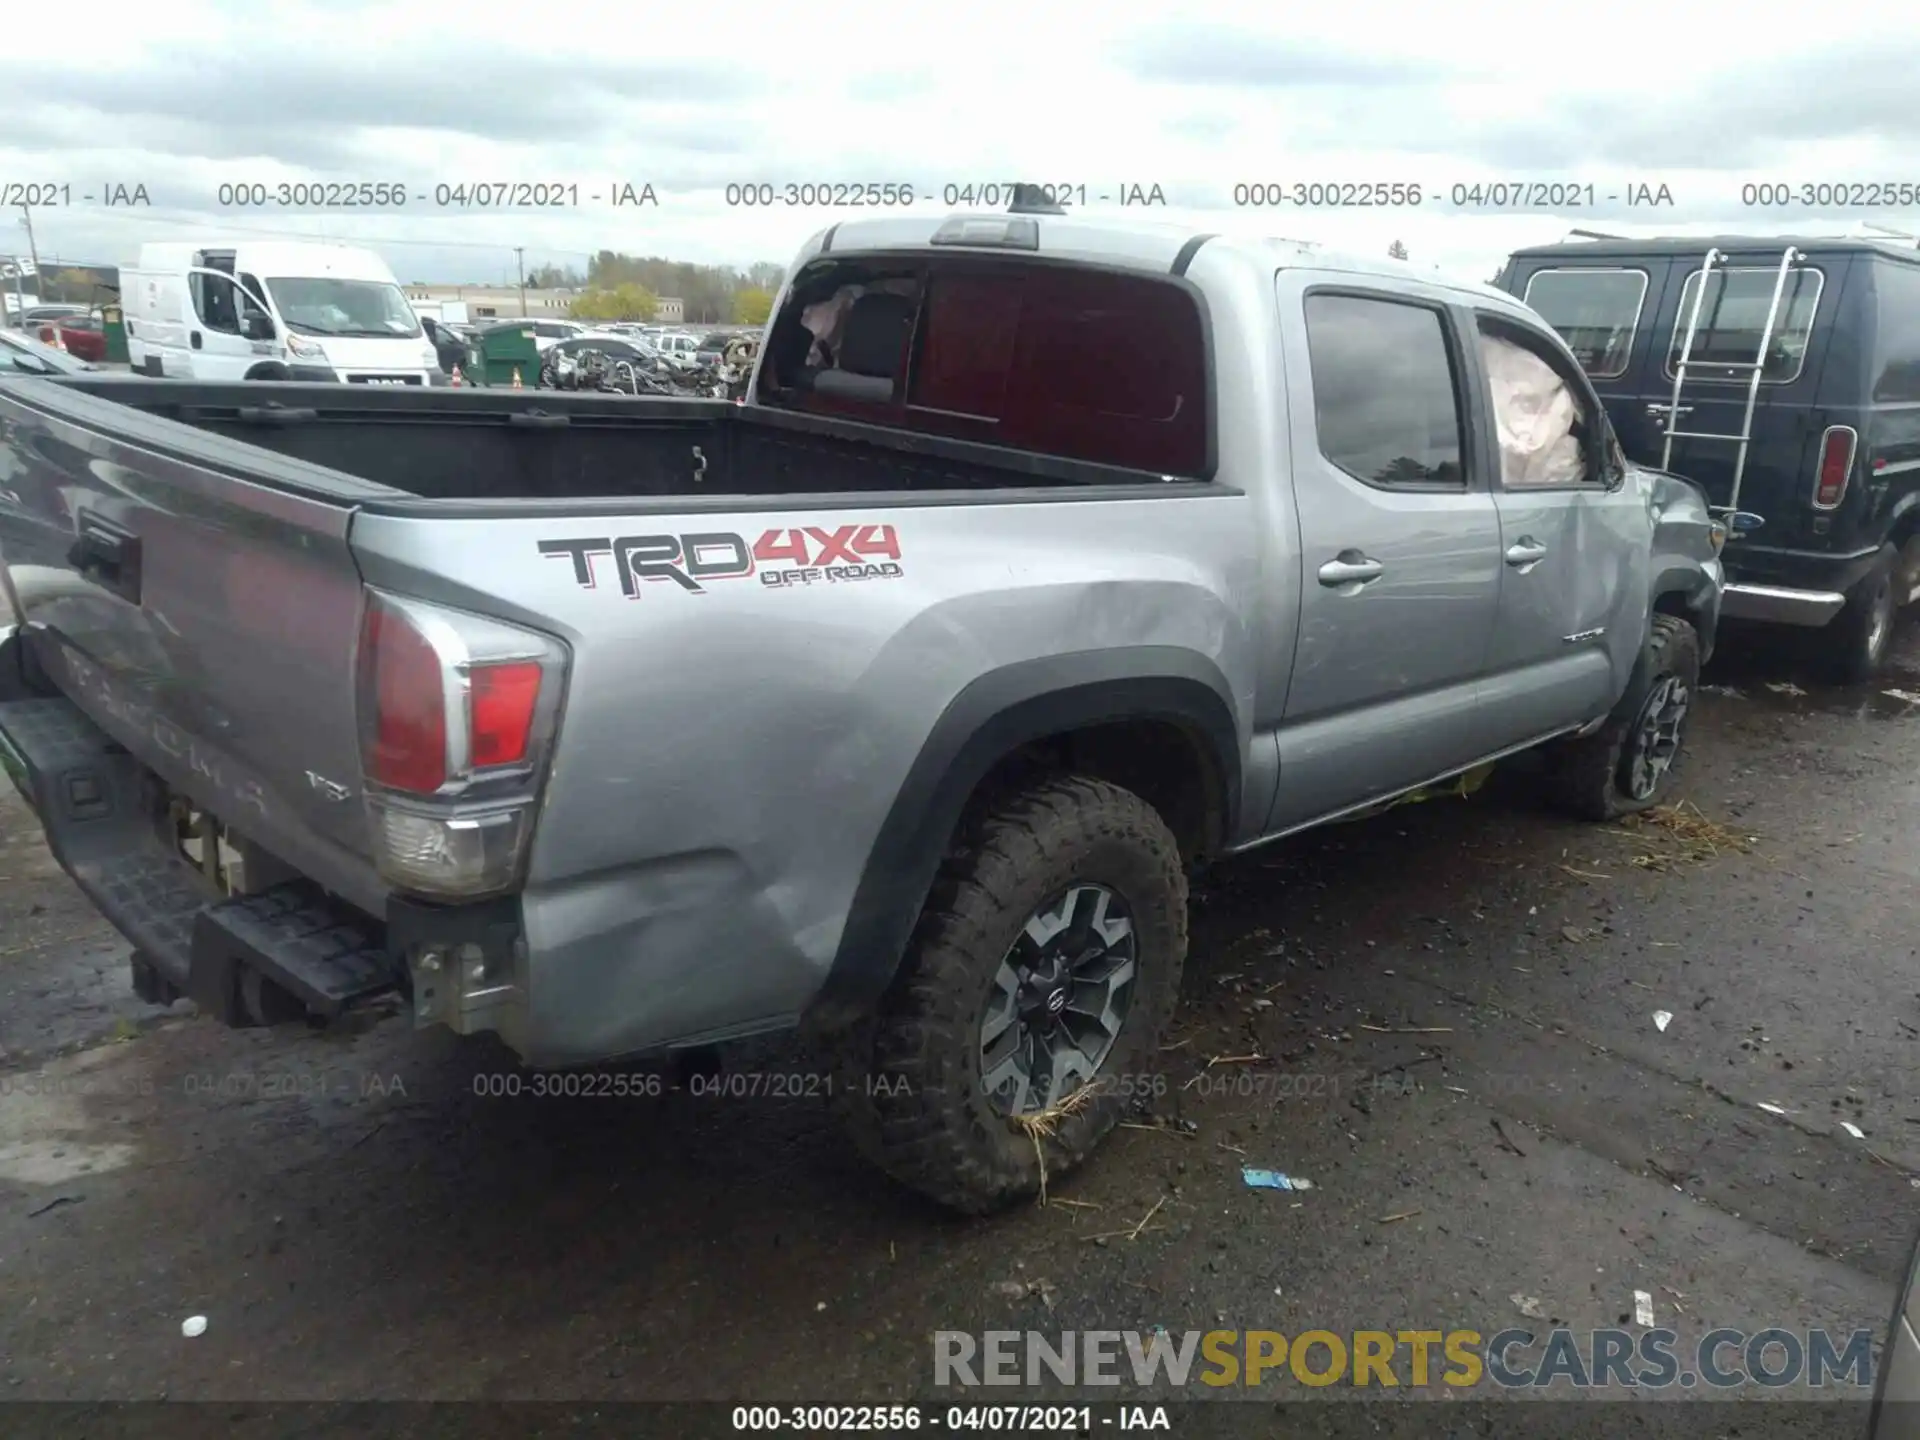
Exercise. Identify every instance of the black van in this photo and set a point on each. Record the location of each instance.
(1812, 447)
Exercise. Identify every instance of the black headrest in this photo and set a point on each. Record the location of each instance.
(875, 336)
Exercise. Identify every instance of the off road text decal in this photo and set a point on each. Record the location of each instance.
(805, 555)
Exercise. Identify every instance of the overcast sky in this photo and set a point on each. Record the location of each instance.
(1195, 98)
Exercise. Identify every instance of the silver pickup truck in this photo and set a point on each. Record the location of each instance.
(1048, 559)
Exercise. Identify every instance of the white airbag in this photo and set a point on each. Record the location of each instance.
(1536, 414)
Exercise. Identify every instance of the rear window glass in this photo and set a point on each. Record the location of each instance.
(1733, 317)
(1595, 311)
(1081, 364)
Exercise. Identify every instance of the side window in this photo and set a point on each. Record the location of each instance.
(213, 299)
(1386, 400)
(1896, 369)
(1546, 432)
(1596, 312)
(1733, 317)
(251, 287)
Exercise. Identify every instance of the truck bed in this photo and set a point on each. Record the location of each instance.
(191, 565)
(505, 445)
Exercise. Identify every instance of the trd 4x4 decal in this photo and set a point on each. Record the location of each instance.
(805, 555)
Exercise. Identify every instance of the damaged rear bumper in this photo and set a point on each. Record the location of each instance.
(103, 814)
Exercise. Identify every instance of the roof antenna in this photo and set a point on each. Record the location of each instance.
(1592, 235)
(1034, 200)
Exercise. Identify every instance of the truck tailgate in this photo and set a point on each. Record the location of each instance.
(198, 601)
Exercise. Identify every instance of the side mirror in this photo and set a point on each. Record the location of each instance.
(260, 327)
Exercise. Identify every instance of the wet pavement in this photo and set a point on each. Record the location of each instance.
(1444, 1017)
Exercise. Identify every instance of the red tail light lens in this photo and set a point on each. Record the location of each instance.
(403, 683)
(1836, 465)
(502, 707)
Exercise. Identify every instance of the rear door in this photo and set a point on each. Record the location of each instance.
(1400, 542)
(1713, 399)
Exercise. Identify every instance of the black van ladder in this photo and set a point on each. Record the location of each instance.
(1753, 370)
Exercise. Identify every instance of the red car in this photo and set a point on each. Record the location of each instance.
(83, 336)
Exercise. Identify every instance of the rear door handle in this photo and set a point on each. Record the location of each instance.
(1350, 567)
(1525, 553)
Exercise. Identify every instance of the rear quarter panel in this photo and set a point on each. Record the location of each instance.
(727, 758)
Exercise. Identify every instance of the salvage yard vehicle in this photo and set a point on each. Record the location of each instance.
(1782, 375)
(1047, 560)
(22, 354)
(272, 310)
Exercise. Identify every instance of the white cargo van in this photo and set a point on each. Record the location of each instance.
(272, 310)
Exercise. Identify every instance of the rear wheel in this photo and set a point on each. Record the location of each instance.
(1862, 634)
(1045, 966)
(1627, 765)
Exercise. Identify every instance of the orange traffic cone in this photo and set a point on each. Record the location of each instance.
(516, 379)
(454, 379)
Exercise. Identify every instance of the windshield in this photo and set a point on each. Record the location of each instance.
(366, 308)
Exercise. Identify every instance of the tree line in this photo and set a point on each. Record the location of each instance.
(615, 286)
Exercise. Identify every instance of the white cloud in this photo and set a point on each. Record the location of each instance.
(1193, 98)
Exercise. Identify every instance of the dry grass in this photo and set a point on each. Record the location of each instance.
(1041, 1125)
(1694, 838)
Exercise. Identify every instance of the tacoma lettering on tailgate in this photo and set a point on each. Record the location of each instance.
(804, 555)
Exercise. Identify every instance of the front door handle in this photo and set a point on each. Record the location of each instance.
(1350, 567)
(1525, 553)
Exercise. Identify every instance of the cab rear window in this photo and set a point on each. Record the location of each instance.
(1596, 311)
(1082, 364)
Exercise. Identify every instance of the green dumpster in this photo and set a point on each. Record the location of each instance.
(114, 326)
(499, 353)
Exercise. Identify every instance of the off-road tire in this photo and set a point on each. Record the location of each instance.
(1584, 776)
(1853, 649)
(908, 1080)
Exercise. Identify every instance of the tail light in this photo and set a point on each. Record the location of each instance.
(1837, 447)
(457, 715)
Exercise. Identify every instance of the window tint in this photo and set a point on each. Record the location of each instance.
(1896, 371)
(1595, 311)
(1733, 315)
(1077, 363)
(1385, 401)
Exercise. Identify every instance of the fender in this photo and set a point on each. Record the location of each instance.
(992, 717)
(1908, 502)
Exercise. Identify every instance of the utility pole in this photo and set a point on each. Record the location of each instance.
(33, 252)
(520, 264)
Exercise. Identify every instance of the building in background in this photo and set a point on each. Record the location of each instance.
(502, 302)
